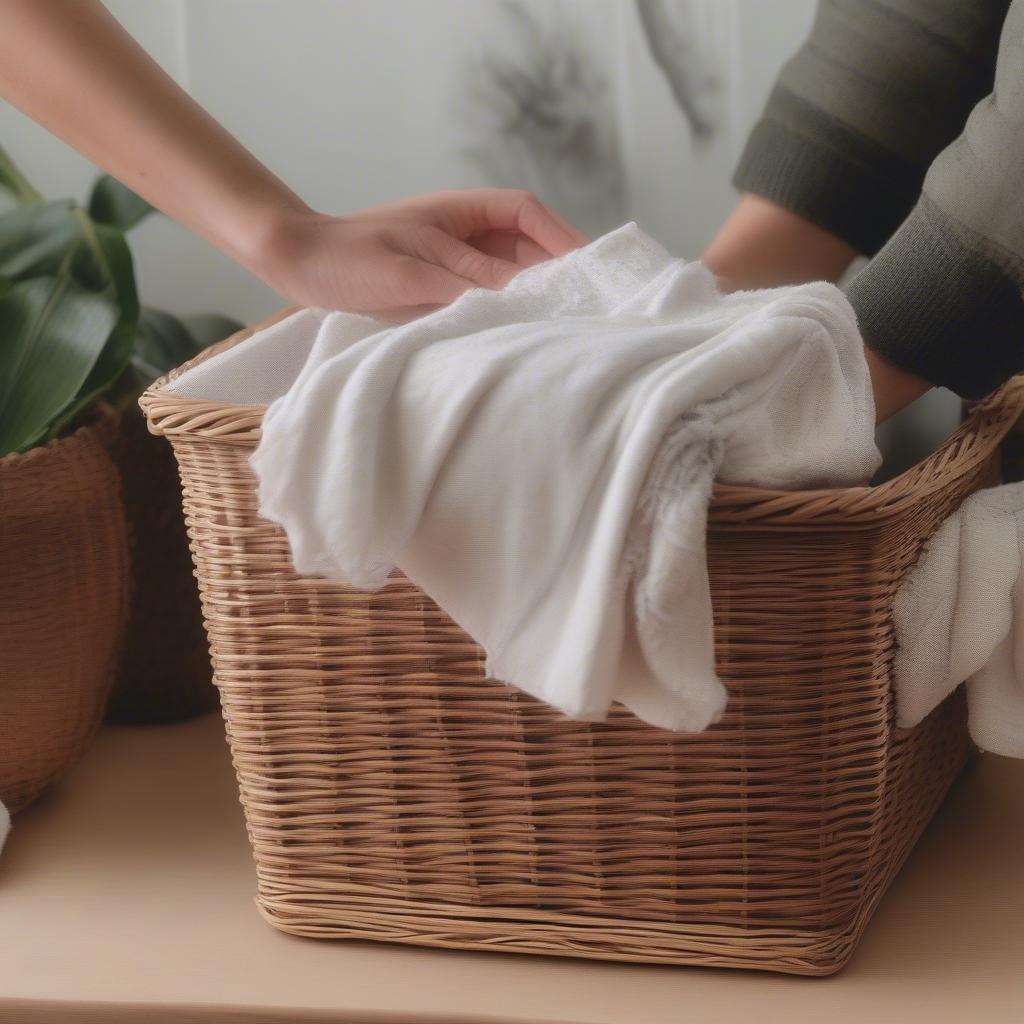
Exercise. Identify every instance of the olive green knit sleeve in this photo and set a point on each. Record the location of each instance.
(943, 298)
(861, 110)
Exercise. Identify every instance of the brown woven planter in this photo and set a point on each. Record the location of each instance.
(392, 792)
(63, 601)
(164, 673)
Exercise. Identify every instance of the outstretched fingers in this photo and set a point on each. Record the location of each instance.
(465, 260)
(502, 209)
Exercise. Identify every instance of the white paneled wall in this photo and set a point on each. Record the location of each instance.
(355, 102)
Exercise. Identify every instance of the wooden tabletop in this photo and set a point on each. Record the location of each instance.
(126, 895)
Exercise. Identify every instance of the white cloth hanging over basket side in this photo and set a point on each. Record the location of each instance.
(960, 616)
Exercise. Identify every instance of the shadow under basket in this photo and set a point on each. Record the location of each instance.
(392, 792)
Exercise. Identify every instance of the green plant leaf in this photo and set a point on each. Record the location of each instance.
(164, 341)
(70, 322)
(14, 183)
(112, 259)
(117, 205)
(52, 335)
(35, 240)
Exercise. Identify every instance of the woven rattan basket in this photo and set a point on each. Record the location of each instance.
(63, 603)
(392, 792)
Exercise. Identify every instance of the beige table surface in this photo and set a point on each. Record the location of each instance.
(126, 895)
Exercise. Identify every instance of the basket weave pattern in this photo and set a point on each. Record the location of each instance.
(392, 792)
(63, 604)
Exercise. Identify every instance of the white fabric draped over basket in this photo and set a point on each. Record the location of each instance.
(960, 616)
(539, 460)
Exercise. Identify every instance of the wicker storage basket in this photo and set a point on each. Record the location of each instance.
(63, 604)
(391, 792)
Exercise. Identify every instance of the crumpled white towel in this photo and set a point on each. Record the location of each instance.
(960, 615)
(539, 460)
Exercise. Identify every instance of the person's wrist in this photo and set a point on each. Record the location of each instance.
(264, 240)
(893, 386)
(764, 245)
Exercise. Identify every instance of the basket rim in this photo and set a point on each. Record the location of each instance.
(971, 443)
(99, 423)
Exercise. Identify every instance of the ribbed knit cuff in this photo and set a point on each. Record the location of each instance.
(934, 303)
(811, 164)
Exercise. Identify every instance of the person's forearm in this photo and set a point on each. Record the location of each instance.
(70, 66)
(762, 245)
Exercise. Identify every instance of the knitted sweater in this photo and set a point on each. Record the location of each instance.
(899, 126)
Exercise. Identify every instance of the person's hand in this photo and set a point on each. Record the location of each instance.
(399, 260)
(74, 69)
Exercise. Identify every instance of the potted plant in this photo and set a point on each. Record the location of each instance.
(78, 485)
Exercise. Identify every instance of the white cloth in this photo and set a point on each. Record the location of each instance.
(960, 616)
(539, 460)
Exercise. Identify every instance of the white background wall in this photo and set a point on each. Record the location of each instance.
(351, 103)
